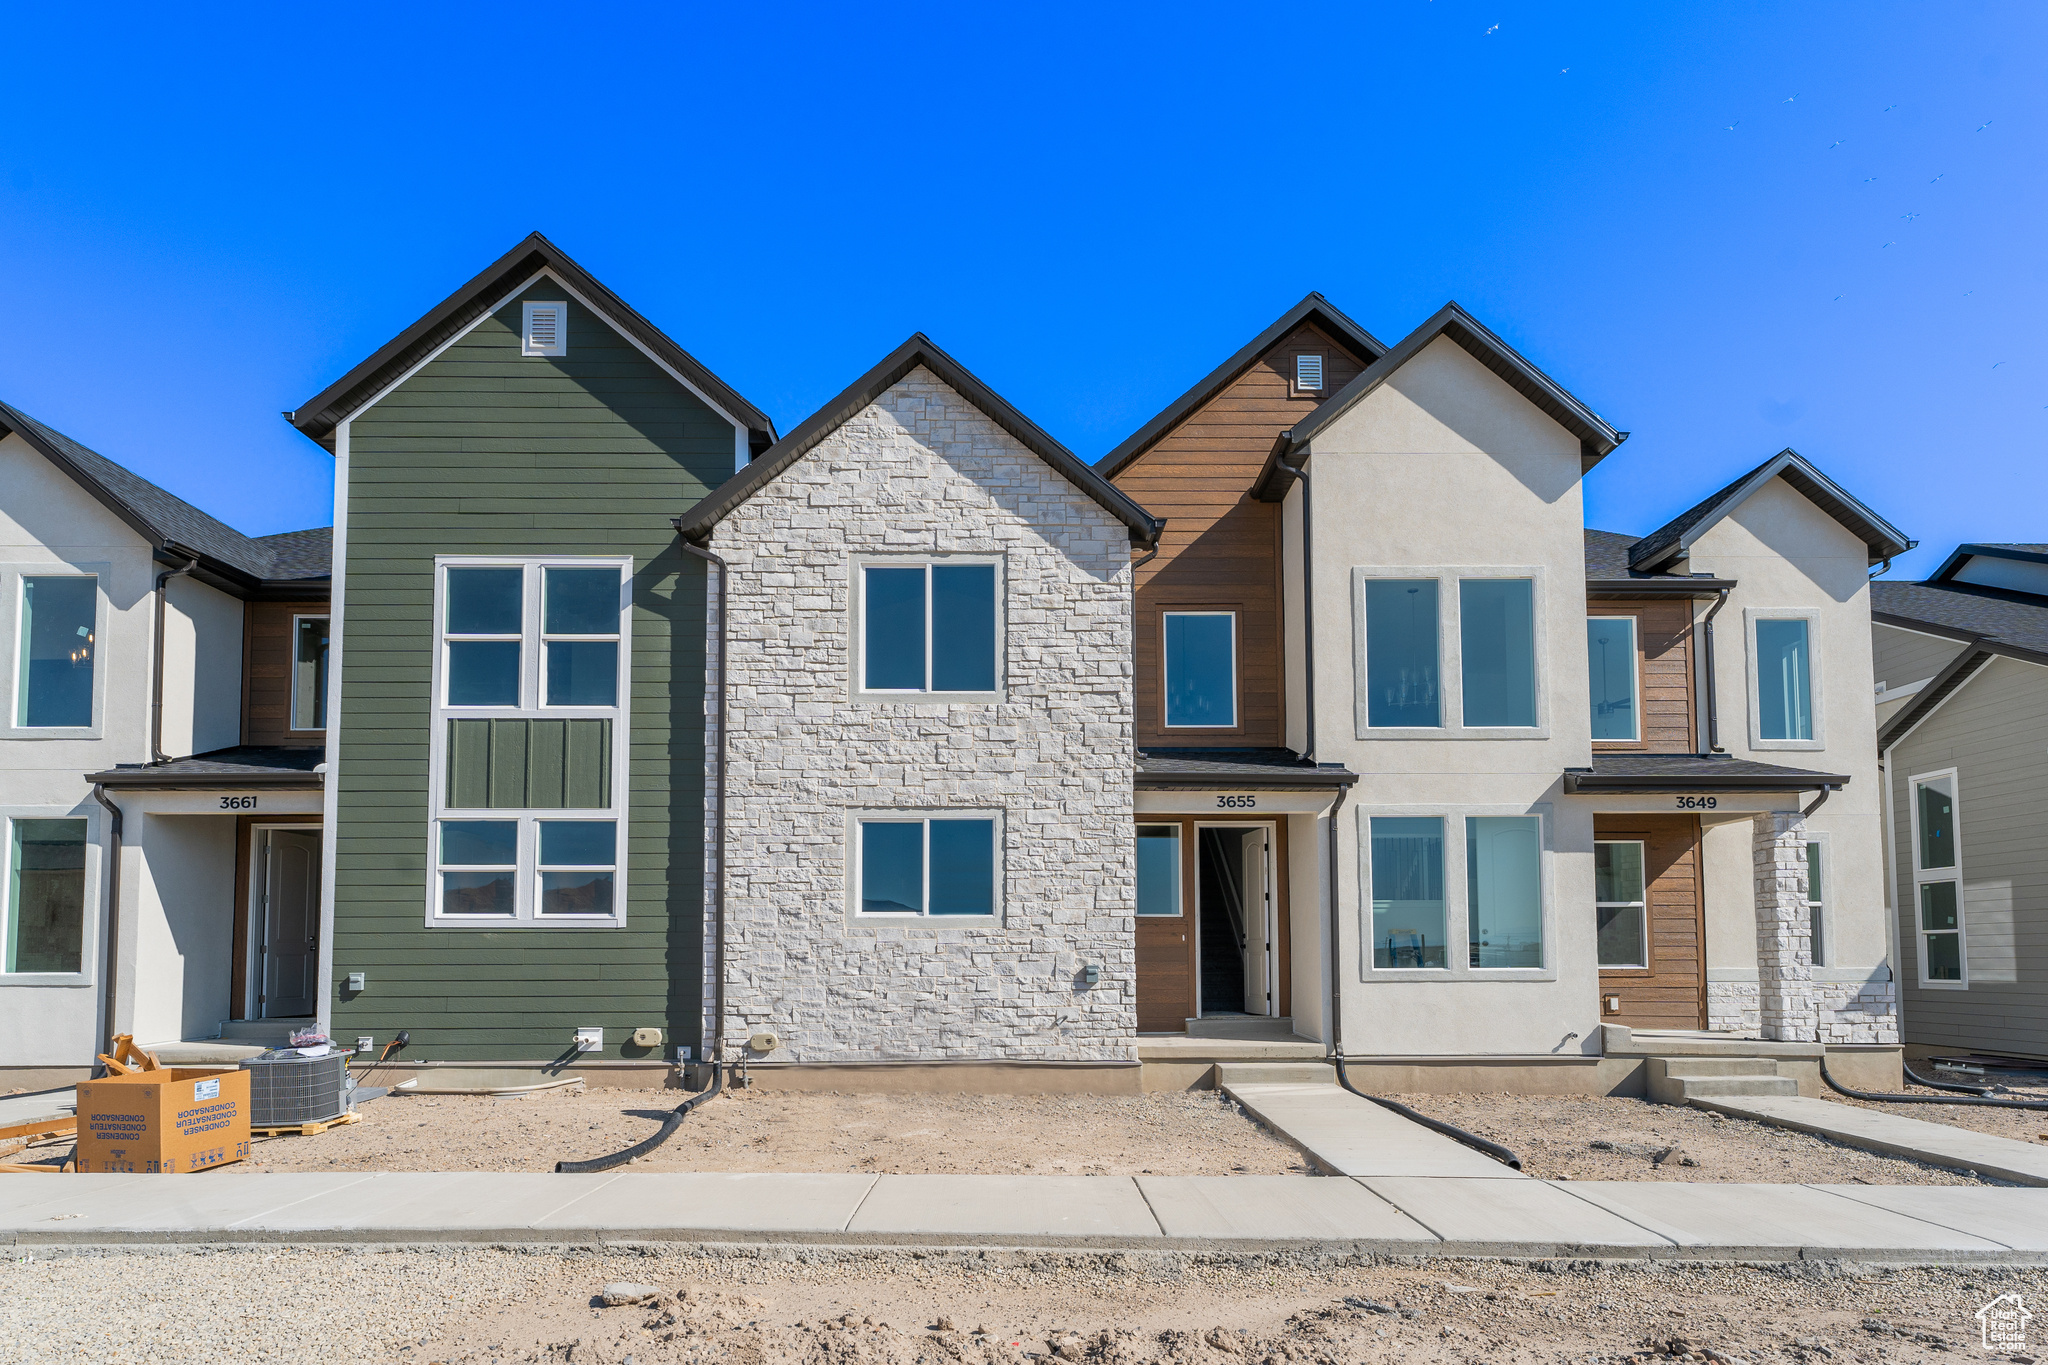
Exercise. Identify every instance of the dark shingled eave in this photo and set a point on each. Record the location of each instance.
(1596, 437)
(1314, 310)
(242, 766)
(1670, 541)
(1179, 769)
(697, 524)
(1622, 774)
(242, 566)
(2030, 554)
(319, 415)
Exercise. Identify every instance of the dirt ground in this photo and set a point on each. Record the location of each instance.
(476, 1305)
(2025, 1125)
(1558, 1137)
(1188, 1133)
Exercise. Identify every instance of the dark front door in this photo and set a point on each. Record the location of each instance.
(1650, 921)
(291, 923)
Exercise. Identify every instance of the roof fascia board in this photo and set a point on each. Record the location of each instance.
(1624, 785)
(700, 520)
(1786, 460)
(1960, 673)
(149, 780)
(1309, 310)
(1226, 783)
(1962, 554)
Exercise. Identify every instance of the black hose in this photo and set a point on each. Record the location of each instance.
(1975, 1094)
(1472, 1140)
(640, 1149)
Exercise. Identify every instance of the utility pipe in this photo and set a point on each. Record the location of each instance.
(1972, 1094)
(156, 703)
(109, 976)
(1713, 708)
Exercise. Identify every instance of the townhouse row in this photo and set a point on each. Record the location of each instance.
(910, 738)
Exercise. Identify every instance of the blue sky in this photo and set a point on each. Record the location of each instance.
(1728, 228)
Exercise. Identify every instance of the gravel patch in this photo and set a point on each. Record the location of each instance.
(1576, 1137)
(475, 1305)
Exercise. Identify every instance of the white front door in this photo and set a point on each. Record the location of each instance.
(1259, 928)
(291, 923)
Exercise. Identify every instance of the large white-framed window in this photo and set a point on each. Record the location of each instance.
(1451, 892)
(1449, 653)
(48, 871)
(55, 616)
(1621, 904)
(531, 731)
(938, 866)
(309, 672)
(1938, 881)
(1612, 667)
(1784, 678)
(928, 627)
(1198, 669)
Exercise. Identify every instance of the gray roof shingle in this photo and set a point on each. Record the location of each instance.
(2016, 620)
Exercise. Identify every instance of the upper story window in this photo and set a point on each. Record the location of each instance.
(1938, 882)
(1448, 651)
(59, 632)
(309, 672)
(1199, 660)
(910, 864)
(530, 741)
(931, 627)
(1784, 673)
(1611, 673)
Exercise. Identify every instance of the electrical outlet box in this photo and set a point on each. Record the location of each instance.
(646, 1037)
(683, 1052)
(355, 981)
(1091, 974)
(590, 1040)
(365, 1044)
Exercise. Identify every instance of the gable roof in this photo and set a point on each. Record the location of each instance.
(1596, 437)
(1675, 537)
(1609, 576)
(2011, 623)
(230, 560)
(1314, 310)
(319, 415)
(697, 523)
(2031, 554)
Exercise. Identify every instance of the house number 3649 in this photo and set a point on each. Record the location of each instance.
(1237, 803)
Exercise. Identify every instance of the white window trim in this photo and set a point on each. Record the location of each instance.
(531, 680)
(95, 891)
(1457, 909)
(1827, 901)
(293, 718)
(561, 346)
(1816, 674)
(1635, 674)
(1642, 907)
(11, 589)
(1921, 876)
(855, 916)
(1450, 653)
(1166, 677)
(857, 644)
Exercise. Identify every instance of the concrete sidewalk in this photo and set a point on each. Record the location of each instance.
(1938, 1144)
(1346, 1135)
(1396, 1215)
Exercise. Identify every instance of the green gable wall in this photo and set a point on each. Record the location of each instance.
(486, 451)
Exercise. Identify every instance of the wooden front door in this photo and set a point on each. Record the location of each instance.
(291, 925)
(1166, 926)
(1651, 921)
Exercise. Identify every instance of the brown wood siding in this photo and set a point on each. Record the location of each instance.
(1672, 991)
(1221, 550)
(267, 684)
(1664, 676)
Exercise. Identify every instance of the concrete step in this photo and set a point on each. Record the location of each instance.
(1240, 1026)
(1686, 1089)
(1275, 1073)
(1714, 1066)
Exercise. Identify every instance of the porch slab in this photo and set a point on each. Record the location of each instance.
(1938, 1144)
(1772, 1222)
(1347, 1135)
(1071, 1208)
(1284, 1208)
(1514, 1218)
(2014, 1218)
(662, 1206)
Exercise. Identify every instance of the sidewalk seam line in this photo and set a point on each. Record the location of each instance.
(535, 1223)
(294, 1203)
(1157, 1221)
(873, 1181)
(1565, 1186)
(1360, 1180)
(1963, 1232)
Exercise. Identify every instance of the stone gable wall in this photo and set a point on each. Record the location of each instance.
(921, 470)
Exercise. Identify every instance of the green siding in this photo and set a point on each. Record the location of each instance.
(486, 451)
(530, 764)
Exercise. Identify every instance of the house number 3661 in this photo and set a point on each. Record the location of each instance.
(238, 803)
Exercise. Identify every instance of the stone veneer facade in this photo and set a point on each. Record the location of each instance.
(919, 471)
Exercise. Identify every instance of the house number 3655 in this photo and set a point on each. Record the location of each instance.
(1237, 803)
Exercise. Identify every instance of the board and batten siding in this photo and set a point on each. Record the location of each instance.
(484, 451)
(1904, 657)
(1994, 732)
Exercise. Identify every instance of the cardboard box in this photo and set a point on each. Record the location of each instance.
(163, 1122)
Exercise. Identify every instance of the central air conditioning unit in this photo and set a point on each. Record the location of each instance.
(287, 1088)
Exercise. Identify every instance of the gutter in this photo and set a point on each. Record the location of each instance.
(717, 1048)
(112, 972)
(1582, 780)
(156, 692)
(153, 778)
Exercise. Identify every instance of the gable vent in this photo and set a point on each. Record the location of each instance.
(1308, 373)
(544, 330)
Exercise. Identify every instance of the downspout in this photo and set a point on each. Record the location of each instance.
(156, 703)
(109, 976)
(1713, 707)
(1308, 615)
